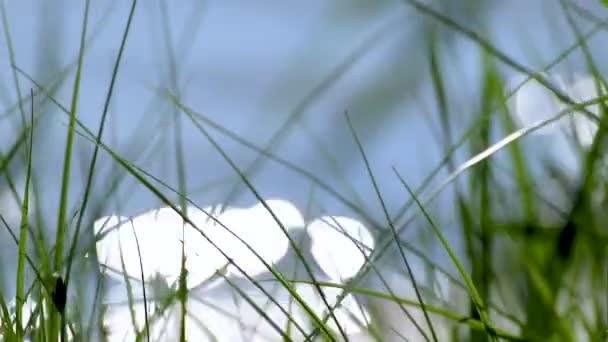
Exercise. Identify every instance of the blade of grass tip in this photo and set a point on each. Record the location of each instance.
(389, 221)
(319, 89)
(89, 181)
(179, 160)
(381, 248)
(63, 199)
(20, 300)
(292, 243)
(489, 47)
(39, 237)
(143, 283)
(479, 305)
(333, 163)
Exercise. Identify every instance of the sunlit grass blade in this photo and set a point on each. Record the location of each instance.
(20, 299)
(63, 198)
(337, 72)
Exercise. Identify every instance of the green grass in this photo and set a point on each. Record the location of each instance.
(513, 278)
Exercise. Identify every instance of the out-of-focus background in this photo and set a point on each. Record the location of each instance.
(284, 77)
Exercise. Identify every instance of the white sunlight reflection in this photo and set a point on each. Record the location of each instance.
(259, 229)
(333, 248)
(584, 88)
(156, 236)
(30, 321)
(533, 103)
(27, 310)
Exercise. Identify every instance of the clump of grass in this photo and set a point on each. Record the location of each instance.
(553, 268)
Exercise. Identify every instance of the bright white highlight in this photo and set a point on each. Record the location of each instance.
(340, 245)
(533, 103)
(335, 248)
(259, 230)
(158, 234)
